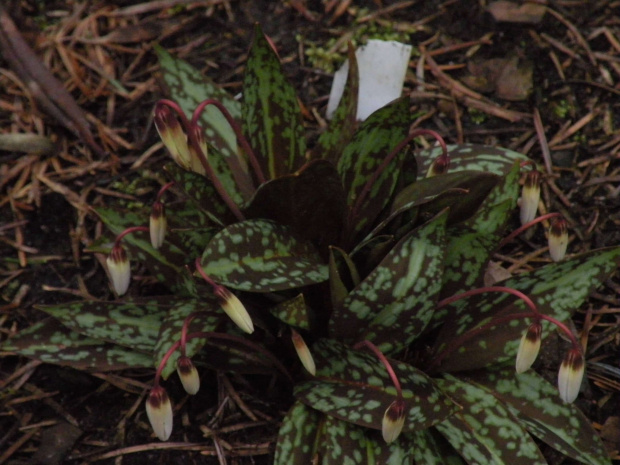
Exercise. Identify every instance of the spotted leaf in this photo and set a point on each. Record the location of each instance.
(536, 403)
(343, 124)
(51, 342)
(293, 312)
(487, 425)
(376, 137)
(262, 256)
(495, 160)
(557, 289)
(130, 323)
(397, 298)
(188, 87)
(271, 114)
(296, 444)
(354, 386)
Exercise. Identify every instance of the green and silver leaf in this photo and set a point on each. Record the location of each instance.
(262, 256)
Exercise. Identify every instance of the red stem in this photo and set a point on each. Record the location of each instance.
(382, 358)
(519, 230)
(245, 145)
(484, 290)
(164, 188)
(131, 230)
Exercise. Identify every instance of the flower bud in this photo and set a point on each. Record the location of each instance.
(393, 420)
(235, 309)
(571, 375)
(188, 374)
(439, 166)
(529, 347)
(558, 239)
(172, 135)
(119, 269)
(303, 352)
(157, 224)
(159, 411)
(195, 157)
(530, 195)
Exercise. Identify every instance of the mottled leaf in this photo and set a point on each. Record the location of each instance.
(537, 404)
(344, 120)
(495, 160)
(296, 444)
(354, 386)
(271, 114)
(311, 201)
(50, 342)
(128, 323)
(293, 312)
(344, 443)
(376, 137)
(208, 207)
(262, 256)
(490, 424)
(397, 298)
(430, 448)
(188, 87)
(557, 289)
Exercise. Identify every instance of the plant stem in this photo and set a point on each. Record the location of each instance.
(164, 188)
(483, 290)
(519, 230)
(190, 131)
(383, 359)
(245, 145)
(131, 230)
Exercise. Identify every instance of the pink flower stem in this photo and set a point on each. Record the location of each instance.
(383, 359)
(131, 230)
(225, 337)
(519, 230)
(484, 290)
(164, 188)
(459, 341)
(193, 141)
(245, 145)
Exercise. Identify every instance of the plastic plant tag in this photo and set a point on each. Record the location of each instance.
(382, 67)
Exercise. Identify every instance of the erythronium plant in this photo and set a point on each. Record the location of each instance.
(361, 264)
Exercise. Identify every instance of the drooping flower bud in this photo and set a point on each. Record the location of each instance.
(188, 374)
(529, 347)
(119, 269)
(571, 375)
(235, 309)
(439, 166)
(195, 158)
(159, 411)
(393, 420)
(157, 224)
(172, 135)
(558, 239)
(303, 352)
(530, 195)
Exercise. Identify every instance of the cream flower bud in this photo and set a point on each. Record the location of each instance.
(172, 135)
(571, 375)
(119, 269)
(195, 164)
(159, 411)
(530, 195)
(158, 224)
(393, 420)
(529, 347)
(188, 374)
(235, 309)
(558, 239)
(303, 352)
